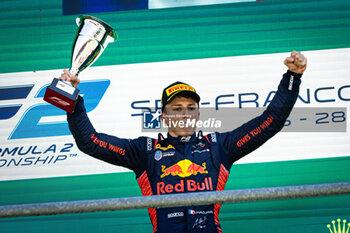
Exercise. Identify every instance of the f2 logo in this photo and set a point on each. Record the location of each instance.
(13, 93)
(29, 126)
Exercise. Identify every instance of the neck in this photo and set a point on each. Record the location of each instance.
(174, 134)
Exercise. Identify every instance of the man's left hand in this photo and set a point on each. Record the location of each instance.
(296, 62)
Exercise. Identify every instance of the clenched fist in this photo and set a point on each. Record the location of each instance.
(296, 62)
(67, 76)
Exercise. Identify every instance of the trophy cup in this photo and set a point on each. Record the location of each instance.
(91, 39)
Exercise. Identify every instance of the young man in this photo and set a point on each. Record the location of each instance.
(186, 162)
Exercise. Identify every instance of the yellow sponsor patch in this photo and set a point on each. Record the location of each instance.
(158, 146)
(178, 87)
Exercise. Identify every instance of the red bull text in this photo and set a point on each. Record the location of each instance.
(192, 186)
(184, 168)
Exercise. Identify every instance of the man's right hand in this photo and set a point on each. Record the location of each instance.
(296, 63)
(67, 76)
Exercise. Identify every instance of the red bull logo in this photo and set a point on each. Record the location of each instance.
(184, 168)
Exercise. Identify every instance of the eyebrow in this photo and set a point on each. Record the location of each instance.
(180, 105)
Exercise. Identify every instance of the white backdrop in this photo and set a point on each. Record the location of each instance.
(139, 82)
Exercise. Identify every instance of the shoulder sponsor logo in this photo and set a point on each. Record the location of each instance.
(213, 137)
(149, 144)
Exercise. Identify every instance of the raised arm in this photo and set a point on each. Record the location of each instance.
(254, 133)
(111, 149)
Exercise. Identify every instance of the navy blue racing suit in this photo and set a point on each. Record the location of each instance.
(186, 164)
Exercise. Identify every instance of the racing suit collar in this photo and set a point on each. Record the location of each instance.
(180, 139)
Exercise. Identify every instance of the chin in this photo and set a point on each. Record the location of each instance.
(186, 132)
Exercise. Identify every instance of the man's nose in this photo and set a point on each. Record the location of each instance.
(187, 113)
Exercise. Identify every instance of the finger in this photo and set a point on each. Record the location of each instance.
(297, 60)
(289, 59)
(63, 77)
(304, 62)
(68, 73)
(70, 76)
(296, 55)
(300, 60)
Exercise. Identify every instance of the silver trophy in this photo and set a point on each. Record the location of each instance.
(91, 39)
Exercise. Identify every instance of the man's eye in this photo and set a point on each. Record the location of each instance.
(192, 109)
(176, 109)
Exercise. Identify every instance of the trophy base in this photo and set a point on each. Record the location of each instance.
(61, 95)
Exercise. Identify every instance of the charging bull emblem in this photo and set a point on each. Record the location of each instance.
(184, 168)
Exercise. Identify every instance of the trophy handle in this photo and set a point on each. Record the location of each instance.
(110, 31)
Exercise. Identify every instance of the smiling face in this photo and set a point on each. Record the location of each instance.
(178, 113)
